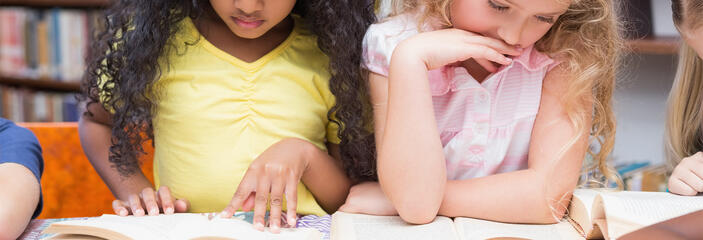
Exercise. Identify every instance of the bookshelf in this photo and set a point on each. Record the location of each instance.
(654, 45)
(56, 3)
(40, 71)
(41, 84)
(46, 84)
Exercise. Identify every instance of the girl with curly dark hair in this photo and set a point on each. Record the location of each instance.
(235, 96)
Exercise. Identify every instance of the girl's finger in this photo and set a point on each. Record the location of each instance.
(120, 207)
(135, 204)
(149, 197)
(291, 192)
(697, 168)
(692, 180)
(260, 202)
(678, 186)
(496, 44)
(181, 205)
(239, 196)
(246, 186)
(166, 200)
(480, 51)
(276, 203)
(249, 203)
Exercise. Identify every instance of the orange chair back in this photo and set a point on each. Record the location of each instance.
(70, 185)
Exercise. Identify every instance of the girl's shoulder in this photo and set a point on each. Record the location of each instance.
(393, 29)
(381, 39)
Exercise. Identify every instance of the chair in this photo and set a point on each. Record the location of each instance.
(70, 185)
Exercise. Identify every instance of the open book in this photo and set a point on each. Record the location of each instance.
(348, 226)
(606, 214)
(175, 226)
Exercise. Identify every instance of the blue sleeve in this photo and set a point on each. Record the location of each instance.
(19, 145)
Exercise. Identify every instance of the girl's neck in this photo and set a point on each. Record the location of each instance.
(248, 50)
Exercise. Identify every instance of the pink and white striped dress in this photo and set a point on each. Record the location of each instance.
(485, 127)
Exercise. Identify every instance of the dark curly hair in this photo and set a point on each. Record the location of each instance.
(125, 56)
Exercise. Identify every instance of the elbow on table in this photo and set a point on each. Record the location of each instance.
(420, 212)
(551, 215)
(417, 216)
(554, 209)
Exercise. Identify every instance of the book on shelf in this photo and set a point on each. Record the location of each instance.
(45, 43)
(174, 226)
(25, 105)
(593, 214)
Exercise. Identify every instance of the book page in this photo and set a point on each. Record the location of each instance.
(219, 228)
(73, 237)
(629, 210)
(114, 227)
(580, 211)
(348, 226)
(174, 226)
(470, 229)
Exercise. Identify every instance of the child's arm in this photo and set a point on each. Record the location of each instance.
(21, 167)
(541, 193)
(325, 178)
(19, 198)
(411, 166)
(134, 193)
(277, 172)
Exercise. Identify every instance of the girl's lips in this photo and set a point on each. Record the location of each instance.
(247, 23)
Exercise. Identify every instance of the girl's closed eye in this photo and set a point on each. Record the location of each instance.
(498, 7)
(502, 8)
(549, 20)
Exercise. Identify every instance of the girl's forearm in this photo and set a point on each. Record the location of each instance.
(325, 179)
(95, 140)
(411, 165)
(524, 196)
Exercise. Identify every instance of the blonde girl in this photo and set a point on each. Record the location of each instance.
(684, 141)
(487, 108)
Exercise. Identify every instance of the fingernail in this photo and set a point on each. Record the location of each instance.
(275, 228)
(123, 212)
(292, 221)
(139, 212)
(223, 214)
(169, 210)
(259, 226)
(154, 211)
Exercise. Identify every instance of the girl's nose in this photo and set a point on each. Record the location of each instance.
(248, 6)
(511, 33)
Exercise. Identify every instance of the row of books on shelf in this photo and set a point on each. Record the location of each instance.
(25, 105)
(45, 43)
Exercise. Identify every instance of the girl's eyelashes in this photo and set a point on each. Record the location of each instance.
(549, 20)
(496, 6)
(501, 8)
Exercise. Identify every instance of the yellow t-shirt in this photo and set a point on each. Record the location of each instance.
(216, 114)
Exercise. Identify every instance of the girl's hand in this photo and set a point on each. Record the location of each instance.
(277, 171)
(687, 178)
(368, 198)
(448, 46)
(157, 202)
